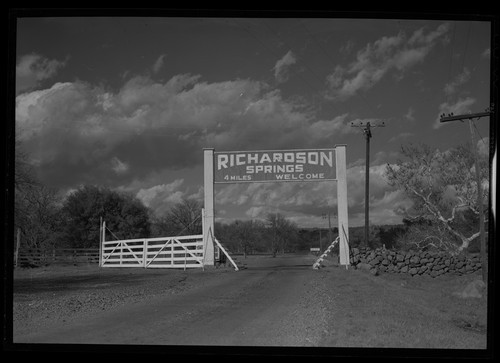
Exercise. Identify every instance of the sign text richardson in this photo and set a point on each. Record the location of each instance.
(274, 166)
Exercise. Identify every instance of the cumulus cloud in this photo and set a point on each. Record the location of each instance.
(161, 198)
(390, 53)
(486, 53)
(148, 125)
(119, 166)
(402, 135)
(159, 63)
(328, 128)
(460, 79)
(459, 107)
(282, 66)
(410, 114)
(32, 69)
(146, 131)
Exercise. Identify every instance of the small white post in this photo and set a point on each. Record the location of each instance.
(103, 239)
(172, 253)
(145, 254)
(100, 241)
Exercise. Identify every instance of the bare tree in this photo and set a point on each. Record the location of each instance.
(246, 233)
(185, 217)
(36, 207)
(443, 190)
(24, 176)
(282, 232)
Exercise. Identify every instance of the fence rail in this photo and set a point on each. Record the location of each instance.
(41, 257)
(161, 252)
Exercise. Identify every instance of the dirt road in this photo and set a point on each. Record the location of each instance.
(279, 303)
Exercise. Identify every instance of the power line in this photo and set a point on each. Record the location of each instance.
(484, 142)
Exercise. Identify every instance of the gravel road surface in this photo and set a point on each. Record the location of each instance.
(278, 302)
(275, 302)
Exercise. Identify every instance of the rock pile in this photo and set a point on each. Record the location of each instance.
(412, 262)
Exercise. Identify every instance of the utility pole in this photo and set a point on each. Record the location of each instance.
(470, 117)
(366, 126)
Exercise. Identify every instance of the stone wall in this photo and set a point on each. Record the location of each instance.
(412, 262)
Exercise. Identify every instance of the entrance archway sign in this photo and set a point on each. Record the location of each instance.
(300, 165)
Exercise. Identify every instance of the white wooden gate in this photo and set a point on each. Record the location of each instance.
(161, 252)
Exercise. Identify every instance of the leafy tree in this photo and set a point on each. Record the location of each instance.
(125, 216)
(444, 193)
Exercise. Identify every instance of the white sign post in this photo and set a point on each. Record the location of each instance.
(343, 215)
(305, 165)
(208, 214)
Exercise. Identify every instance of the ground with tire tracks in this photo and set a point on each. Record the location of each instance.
(275, 302)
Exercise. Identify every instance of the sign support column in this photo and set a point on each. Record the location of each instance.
(343, 217)
(208, 215)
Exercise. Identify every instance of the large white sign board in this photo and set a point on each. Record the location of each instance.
(304, 165)
(274, 166)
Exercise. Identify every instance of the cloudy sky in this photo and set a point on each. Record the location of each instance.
(130, 103)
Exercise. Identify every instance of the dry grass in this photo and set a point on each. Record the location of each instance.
(400, 311)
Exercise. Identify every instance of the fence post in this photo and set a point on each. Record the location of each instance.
(100, 241)
(103, 240)
(145, 254)
(185, 257)
(172, 253)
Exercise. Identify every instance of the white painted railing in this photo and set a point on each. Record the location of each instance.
(161, 252)
(317, 264)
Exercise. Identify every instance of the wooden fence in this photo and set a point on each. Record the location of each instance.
(42, 257)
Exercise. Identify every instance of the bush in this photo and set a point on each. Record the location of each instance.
(124, 214)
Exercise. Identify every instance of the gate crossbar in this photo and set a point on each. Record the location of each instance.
(132, 253)
(157, 253)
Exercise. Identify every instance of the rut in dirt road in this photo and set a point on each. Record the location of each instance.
(270, 306)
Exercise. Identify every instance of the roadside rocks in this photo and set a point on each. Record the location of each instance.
(412, 262)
